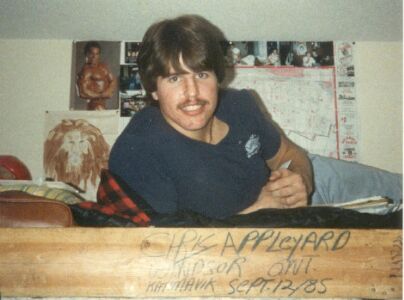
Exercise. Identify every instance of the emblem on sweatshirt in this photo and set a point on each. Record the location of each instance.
(253, 145)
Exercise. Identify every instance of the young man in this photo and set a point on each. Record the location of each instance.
(205, 149)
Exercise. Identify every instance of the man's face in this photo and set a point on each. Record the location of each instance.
(93, 55)
(187, 99)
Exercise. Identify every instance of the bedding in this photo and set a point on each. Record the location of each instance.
(117, 206)
(41, 190)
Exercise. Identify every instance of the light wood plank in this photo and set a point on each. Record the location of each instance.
(154, 262)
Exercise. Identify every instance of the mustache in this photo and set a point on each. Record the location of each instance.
(193, 102)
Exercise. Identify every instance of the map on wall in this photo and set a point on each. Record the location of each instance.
(308, 88)
(300, 100)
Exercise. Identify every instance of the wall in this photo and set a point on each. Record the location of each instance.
(35, 77)
(379, 80)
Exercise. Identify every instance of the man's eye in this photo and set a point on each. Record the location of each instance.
(173, 78)
(203, 75)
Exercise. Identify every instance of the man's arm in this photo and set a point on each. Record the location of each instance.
(112, 84)
(286, 188)
(300, 164)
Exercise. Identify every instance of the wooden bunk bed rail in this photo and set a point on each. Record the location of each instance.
(212, 262)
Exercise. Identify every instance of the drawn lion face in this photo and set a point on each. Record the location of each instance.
(77, 145)
(75, 152)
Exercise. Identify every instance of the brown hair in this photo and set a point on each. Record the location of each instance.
(198, 41)
(89, 45)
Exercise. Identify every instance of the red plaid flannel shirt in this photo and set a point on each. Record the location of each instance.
(112, 200)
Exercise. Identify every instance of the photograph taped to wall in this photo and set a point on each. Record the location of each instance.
(129, 52)
(77, 146)
(95, 75)
(307, 54)
(129, 79)
(132, 104)
(132, 96)
(251, 53)
(344, 58)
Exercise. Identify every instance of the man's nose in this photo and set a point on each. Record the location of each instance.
(191, 88)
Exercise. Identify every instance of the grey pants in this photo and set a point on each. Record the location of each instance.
(337, 181)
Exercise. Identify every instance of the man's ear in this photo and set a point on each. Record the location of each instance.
(154, 95)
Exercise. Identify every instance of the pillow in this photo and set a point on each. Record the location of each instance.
(43, 191)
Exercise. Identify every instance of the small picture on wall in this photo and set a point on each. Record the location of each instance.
(344, 59)
(131, 92)
(130, 105)
(307, 54)
(131, 52)
(273, 58)
(252, 53)
(240, 53)
(129, 79)
(95, 75)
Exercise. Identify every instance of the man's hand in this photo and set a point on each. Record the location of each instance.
(265, 200)
(288, 187)
(284, 189)
(294, 184)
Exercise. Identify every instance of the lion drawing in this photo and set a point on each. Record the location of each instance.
(75, 152)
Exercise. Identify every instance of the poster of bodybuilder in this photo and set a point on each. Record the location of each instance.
(77, 146)
(95, 75)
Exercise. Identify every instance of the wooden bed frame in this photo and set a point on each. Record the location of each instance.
(212, 262)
